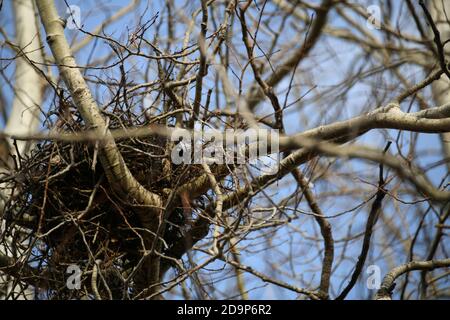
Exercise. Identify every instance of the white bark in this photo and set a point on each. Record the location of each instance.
(441, 88)
(28, 96)
(29, 85)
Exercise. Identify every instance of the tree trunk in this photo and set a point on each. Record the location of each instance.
(28, 96)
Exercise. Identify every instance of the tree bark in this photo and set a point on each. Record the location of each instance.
(28, 96)
(117, 172)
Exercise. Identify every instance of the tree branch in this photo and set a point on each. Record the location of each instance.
(118, 174)
(385, 291)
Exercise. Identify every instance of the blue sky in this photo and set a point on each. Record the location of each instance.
(304, 115)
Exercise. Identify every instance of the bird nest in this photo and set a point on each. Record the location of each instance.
(65, 199)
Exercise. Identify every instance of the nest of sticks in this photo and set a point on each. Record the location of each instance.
(64, 197)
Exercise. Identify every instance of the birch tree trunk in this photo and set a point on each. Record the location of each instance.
(441, 95)
(28, 96)
(29, 86)
(441, 87)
